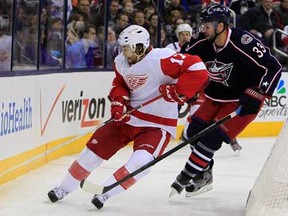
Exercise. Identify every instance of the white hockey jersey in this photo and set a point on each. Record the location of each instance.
(142, 81)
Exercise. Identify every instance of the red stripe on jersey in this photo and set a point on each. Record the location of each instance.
(155, 119)
(200, 162)
(78, 172)
(120, 174)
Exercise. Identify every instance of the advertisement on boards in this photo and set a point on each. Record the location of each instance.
(18, 115)
(74, 104)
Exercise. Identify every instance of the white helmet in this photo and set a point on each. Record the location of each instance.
(183, 28)
(134, 34)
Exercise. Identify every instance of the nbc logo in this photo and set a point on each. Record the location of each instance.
(276, 107)
(279, 99)
(280, 88)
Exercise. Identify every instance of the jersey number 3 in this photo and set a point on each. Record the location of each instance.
(259, 49)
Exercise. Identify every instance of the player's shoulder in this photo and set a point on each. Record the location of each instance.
(243, 40)
(157, 53)
(119, 58)
(171, 46)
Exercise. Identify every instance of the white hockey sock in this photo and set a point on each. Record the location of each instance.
(69, 183)
(80, 169)
(138, 159)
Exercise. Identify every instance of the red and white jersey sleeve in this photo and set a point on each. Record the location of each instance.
(159, 66)
(189, 69)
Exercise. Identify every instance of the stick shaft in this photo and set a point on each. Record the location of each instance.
(90, 187)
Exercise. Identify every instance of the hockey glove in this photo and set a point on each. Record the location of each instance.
(118, 110)
(251, 101)
(170, 94)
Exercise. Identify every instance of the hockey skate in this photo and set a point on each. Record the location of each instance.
(98, 200)
(57, 194)
(182, 180)
(201, 183)
(235, 145)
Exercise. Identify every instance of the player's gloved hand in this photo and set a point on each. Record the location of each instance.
(170, 94)
(118, 110)
(251, 101)
(193, 100)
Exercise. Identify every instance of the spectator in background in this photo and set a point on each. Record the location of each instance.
(111, 44)
(55, 38)
(240, 7)
(171, 25)
(122, 21)
(46, 57)
(83, 8)
(85, 53)
(175, 5)
(164, 39)
(139, 18)
(282, 9)
(152, 29)
(114, 7)
(128, 8)
(5, 45)
(112, 47)
(262, 20)
(74, 29)
(193, 7)
(142, 4)
(148, 11)
(29, 36)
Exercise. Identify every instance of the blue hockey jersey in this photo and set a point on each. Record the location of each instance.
(241, 63)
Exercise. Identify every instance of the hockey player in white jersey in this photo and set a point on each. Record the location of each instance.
(184, 34)
(141, 74)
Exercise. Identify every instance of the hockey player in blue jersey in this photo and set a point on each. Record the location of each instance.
(242, 72)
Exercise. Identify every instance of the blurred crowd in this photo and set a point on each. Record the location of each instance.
(71, 34)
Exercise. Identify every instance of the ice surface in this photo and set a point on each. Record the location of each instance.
(234, 176)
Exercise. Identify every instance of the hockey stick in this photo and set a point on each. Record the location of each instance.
(98, 189)
(132, 110)
(104, 123)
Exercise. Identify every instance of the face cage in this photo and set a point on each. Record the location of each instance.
(133, 49)
(201, 25)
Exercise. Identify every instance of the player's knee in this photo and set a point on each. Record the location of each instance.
(88, 159)
(194, 128)
(138, 159)
(212, 140)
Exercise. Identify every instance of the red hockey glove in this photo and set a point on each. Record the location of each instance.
(170, 94)
(251, 101)
(118, 110)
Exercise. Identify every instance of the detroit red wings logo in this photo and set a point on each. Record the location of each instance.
(136, 81)
(219, 72)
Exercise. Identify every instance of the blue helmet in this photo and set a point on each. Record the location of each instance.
(215, 12)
